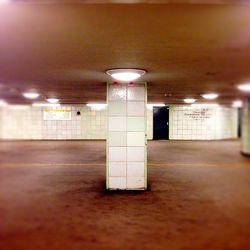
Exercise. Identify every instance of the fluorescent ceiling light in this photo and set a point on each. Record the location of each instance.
(31, 95)
(18, 107)
(53, 100)
(244, 87)
(237, 104)
(3, 103)
(97, 106)
(205, 105)
(210, 96)
(126, 75)
(40, 104)
(189, 100)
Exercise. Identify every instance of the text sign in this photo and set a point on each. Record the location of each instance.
(199, 114)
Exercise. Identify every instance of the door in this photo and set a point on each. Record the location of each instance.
(160, 123)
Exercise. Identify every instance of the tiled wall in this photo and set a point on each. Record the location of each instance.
(126, 149)
(21, 122)
(91, 124)
(245, 141)
(202, 123)
(27, 123)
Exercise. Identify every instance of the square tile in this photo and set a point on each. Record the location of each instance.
(117, 182)
(135, 124)
(136, 108)
(135, 154)
(117, 139)
(117, 108)
(117, 169)
(136, 138)
(117, 154)
(136, 93)
(135, 183)
(117, 123)
(135, 169)
(117, 92)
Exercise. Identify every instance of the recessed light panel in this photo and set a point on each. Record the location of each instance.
(31, 95)
(97, 106)
(210, 96)
(244, 87)
(41, 104)
(205, 105)
(53, 100)
(3, 103)
(189, 100)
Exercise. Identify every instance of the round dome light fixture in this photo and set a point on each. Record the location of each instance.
(126, 75)
(30, 95)
(244, 87)
(210, 96)
(52, 100)
(189, 100)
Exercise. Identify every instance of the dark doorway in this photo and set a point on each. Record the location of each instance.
(161, 123)
(239, 122)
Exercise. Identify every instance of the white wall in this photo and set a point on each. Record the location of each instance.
(27, 123)
(202, 123)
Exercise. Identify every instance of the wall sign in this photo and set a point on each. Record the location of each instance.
(199, 114)
(56, 115)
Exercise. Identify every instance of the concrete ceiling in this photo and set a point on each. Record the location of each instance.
(64, 50)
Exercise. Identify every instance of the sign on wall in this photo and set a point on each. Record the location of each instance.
(56, 115)
(199, 114)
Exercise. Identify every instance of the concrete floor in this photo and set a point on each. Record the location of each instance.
(52, 197)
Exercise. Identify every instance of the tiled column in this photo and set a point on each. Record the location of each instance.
(245, 133)
(126, 139)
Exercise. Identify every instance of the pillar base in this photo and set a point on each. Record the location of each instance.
(245, 154)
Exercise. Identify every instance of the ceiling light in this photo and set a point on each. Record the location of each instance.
(126, 75)
(97, 106)
(3, 103)
(210, 96)
(4, 1)
(52, 100)
(237, 104)
(189, 100)
(244, 87)
(31, 95)
(41, 104)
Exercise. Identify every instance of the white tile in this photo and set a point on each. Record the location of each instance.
(117, 154)
(117, 108)
(135, 108)
(117, 123)
(135, 169)
(117, 92)
(117, 139)
(136, 138)
(135, 183)
(135, 153)
(136, 93)
(117, 182)
(117, 169)
(136, 124)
